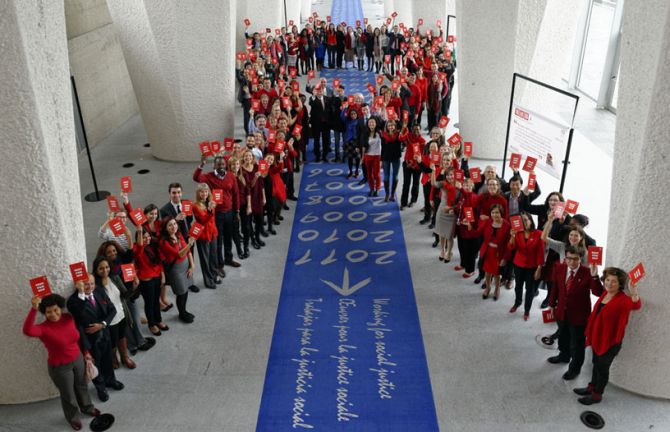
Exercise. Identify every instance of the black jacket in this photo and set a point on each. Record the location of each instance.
(85, 314)
(184, 224)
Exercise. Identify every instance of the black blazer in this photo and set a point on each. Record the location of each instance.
(184, 225)
(319, 114)
(85, 314)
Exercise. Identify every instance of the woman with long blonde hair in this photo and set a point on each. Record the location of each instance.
(203, 211)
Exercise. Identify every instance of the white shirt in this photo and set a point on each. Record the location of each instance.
(375, 146)
(115, 296)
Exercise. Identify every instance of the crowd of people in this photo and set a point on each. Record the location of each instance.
(239, 204)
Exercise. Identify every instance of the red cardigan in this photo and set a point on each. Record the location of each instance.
(529, 252)
(231, 195)
(206, 218)
(607, 328)
(575, 306)
(146, 269)
(170, 252)
(60, 338)
(501, 237)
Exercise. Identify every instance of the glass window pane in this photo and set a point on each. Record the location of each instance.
(595, 49)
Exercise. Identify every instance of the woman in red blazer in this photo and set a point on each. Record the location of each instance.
(468, 240)
(528, 262)
(495, 237)
(605, 330)
(203, 211)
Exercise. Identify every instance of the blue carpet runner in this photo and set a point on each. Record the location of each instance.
(346, 11)
(347, 352)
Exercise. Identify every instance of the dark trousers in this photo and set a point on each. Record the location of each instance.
(340, 57)
(224, 241)
(419, 115)
(468, 248)
(101, 350)
(258, 224)
(237, 239)
(524, 276)
(245, 220)
(208, 254)
(411, 178)
(508, 270)
(321, 139)
(331, 55)
(426, 201)
(601, 368)
(246, 106)
(118, 332)
(70, 380)
(571, 344)
(151, 291)
(288, 181)
(432, 118)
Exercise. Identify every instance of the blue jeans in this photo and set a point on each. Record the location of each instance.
(387, 172)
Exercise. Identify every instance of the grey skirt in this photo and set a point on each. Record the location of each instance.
(177, 278)
(444, 225)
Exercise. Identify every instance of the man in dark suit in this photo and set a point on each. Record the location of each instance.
(319, 124)
(571, 303)
(92, 311)
(174, 209)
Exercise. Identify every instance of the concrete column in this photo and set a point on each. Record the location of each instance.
(264, 14)
(42, 224)
(181, 59)
(293, 12)
(430, 11)
(638, 211)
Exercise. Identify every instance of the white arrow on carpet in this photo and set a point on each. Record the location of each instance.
(305, 258)
(345, 289)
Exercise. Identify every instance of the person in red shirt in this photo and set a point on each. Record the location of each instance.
(203, 211)
(150, 273)
(66, 365)
(267, 90)
(226, 211)
(422, 84)
(605, 330)
(570, 301)
(528, 261)
(468, 240)
(410, 167)
(178, 264)
(255, 199)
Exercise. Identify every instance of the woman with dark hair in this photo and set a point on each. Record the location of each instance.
(391, 154)
(468, 240)
(377, 49)
(528, 261)
(450, 194)
(203, 211)
(331, 45)
(371, 142)
(178, 264)
(352, 152)
(66, 365)
(340, 45)
(150, 273)
(117, 293)
(255, 200)
(605, 330)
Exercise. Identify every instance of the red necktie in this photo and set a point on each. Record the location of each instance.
(568, 283)
(92, 299)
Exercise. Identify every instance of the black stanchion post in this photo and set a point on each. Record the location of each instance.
(509, 119)
(566, 161)
(449, 17)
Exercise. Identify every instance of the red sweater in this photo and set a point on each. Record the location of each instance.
(486, 201)
(170, 251)
(61, 338)
(146, 268)
(231, 198)
(529, 251)
(468, 199)
(607, 328)
(206, 218)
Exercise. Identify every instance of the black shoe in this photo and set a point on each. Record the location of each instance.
(147, 345)
(116, 385)
(570, 375)
(479, 279)
(255, 245)
(557, 359)
(218, 281)
(261, 242)
(264, 234)
(194, 288)
(544, 304)
(210, 286)
(272, 231)
(221, 272)
(582, 391)
(371, 193)
(436, 242)
(276, 222)
(363, 181)
(376, 193)
(424, 221)
(103, 395)
(285, 208)
(232, 263)
(431, 226)
(185, 319)
(292, 197)
(588, 400)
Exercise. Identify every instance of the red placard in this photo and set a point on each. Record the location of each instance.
(217, 196)
(379, 101)
(117, 226)
(285, 102)
(390, 113)
(636, 274)
(78, 271)
(138, 217)
(380, 79)
(532, 181)
(515, 161)
(254, 81)
(394, 14)
(297, 129)
(196, 230)
(387, 59)
(128, 272)
(475, 175)
(371, 88)
(228, 144)
(416, 149)
(435, 157)
(272, 136)
(314, 14)
(310, 19)
(594, 255)
(328, 18)
(405, 116)
(450, 39)
(205, 148)
(439, 23)
(113, 203)
(388, 21)
(571, 206)
(241, 56)
(467, 148)
(350, 99)
(516, 222)
(311, 74)
(279, 146)
(40, 286)
(187, 207)
(444, 121)
(559, 209)
(277, 32)
(263, 167)
(394, 85)
(358, 23)
(548, 316)
(336, 82)
(468, 214)
(295, 86)
(365, 21)
(454, 140)
(282, 71)
(126, 184)
(247, 22)
(459, 175)
(290, 23)
(255, 105)
(403, 80)
(530, 163)
(420, 21)
(215, 146)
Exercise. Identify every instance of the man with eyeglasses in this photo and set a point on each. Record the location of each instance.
(105, 232)
(571, 304)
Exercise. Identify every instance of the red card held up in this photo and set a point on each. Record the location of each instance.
(439, 23)
(371, 88)
(444, 121)
(290, 23)
(571, 206)
(594, 255)
(205, 148)
(263, 167)
(311, 74)
(277, 31)
(548, 316)
(380, 80)
(358, 23)
(336, 82)
(328, 18)
(365, 21)
(475, 174)
(78, 271)
(297, 129)
(435, 158)
(138, 217)
(454, 140)
(394, 14)
(128, 272)
(279, 146)
(187, 207)
(126, 184)
(40, 286)
(515, 161)
(387, 59)
(420, 21)
(272, 135)
(315, 14)
(117, 226)
(295, 86)
(247, 22)
(228, 144)
(292, 72)
(390, 113)
(459, 175)
(516, 222)
(350, 99)
(113, 203)
(467, 148)
(530, 163)
(532, 181)
(217, 196)
(215, 146)
(256, 104)
(636, 274)
(450, 39)
(310, 19)
(388, 21)
(559, 209)
(405, 116)
(379, 101)
(196, 230)
(468, 214)
(285, 102)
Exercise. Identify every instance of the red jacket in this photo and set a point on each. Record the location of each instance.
(607, 328)
(146, 268)
(170, 251)
(529, 251)
(486, 201)
(206, 218)
(500, 239)
(574, 306)
(410, 140)
(231, 198)
(468, 199)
